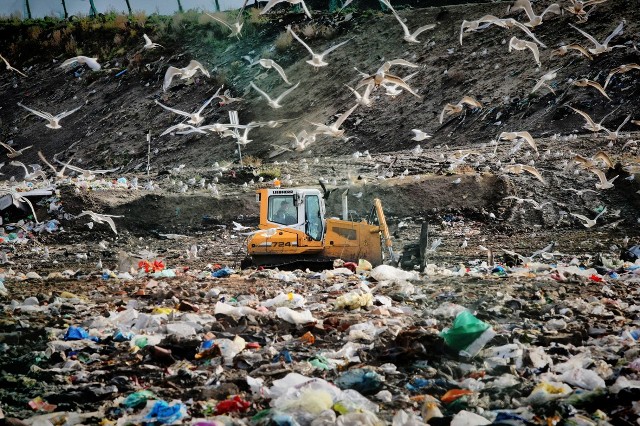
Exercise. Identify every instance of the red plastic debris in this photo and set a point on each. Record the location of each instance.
(156, 266)
(596, 278)
(350, 266)
(233, 405)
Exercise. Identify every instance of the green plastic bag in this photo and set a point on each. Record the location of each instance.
(467, 334)
(138, 399)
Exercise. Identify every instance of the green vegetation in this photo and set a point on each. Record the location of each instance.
(270, 172)
(50, 37)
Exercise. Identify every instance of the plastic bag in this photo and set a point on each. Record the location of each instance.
(138, 399)
(232, 405)
(230, 348)
(78, 333)
(354, 300)
(294, 317)
(467, 418)
(547, 391)
(363, 380)
(163, 413)
(468, 334)
(236, 312)
(364, 331)
(181, 329)
(222, 273)
(389, 273)
(290, 300)
(583, 378)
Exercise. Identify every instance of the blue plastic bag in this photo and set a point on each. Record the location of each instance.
(120, 336)
(222, 273)
(78, 333)
(163, 413)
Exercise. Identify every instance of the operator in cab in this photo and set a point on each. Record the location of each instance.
(286, 213)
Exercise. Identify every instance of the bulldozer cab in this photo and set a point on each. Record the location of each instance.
(301, 209)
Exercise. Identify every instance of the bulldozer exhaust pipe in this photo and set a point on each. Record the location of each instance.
(345, 206)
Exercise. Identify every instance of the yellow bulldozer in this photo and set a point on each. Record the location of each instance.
(294, 231)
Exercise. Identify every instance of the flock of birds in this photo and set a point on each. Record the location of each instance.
(364, 94)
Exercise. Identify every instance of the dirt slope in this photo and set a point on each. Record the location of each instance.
(110, 128)
(118, 107)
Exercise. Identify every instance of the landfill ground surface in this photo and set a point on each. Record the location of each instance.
(88, 336)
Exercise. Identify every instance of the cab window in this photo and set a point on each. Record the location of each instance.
(313, 220)
(282, 210)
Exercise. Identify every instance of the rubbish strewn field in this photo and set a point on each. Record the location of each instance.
(524, 314)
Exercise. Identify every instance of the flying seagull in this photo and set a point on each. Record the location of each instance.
(10, 68)
(53, 121)
(148, 44)
(584, 82)
(58, 173)
(269, 63)
(100, 218)
(29, 176)
(408, 36)
(534, 20)
(451, 109)
(518, 44)
(334, 129)
(620, 70)
(317, 59)
(274, 103)
(194, 117)
(589, 223)
(184, 73)
(604, 46)
(12, 152)
(90, 62)
(382, 76)
(235, 28)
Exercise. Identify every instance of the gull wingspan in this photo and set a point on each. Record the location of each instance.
(219, 20)
(387, 65)
(168, 76)
(208, 102)
(286, 92)
(332, 48)
(66, 113)
(261, 92)
(306, 10)
(269, 5)
(585, 115)
(280, 71)
(300, 40)
(615, 33)
(422, 29)
(588, 36)
(344, 116)
(41, 114)
(177, 111)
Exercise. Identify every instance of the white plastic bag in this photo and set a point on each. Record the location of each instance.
(295, 317)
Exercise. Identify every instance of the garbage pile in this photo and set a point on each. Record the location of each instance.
(489, 344)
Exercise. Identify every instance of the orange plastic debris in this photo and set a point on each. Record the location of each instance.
(308, 338)
(454, 394)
